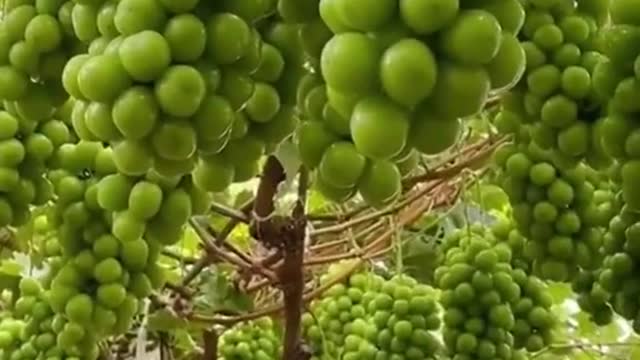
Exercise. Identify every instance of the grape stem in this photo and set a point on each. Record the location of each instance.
(238, 215)
(179, 257)
(471, 157)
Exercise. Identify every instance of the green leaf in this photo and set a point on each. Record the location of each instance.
(287, 154)
(420, 257)
(609, 333)
(316, 202)
(560, 292)
(189, 242)
(489, 197)
(184, 341)
(220, 294)
(165, 320)
(24, 235)
(635, 353)
(241, 238)
(11, 267)
(586, 328)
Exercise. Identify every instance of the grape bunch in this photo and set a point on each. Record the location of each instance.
(386, 319)
(534, 321)
(506, 231)
(616, 79)
(556, 94)
(555, 208)
(26, 148)
(32, 55)
(169, 90)
(341, 314)
(396, 77)
(37, 333)
(256, 339)
(269, 115)
(479, 288)
(108, 257)
(11, 330)
(614, 287)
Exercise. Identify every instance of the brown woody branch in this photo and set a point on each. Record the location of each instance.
(372, 250)
(292, 274)
(479, 153)
(205, 260)
(210, 344)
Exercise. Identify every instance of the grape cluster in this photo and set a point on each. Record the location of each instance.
(10, 335)
(34, 331)
(167, 87)
(25, 150)
(397, 76)
(556, 209)
(479, 291)
(616, 79)
(614, 286)
(375, 318)
(32, 54)
(257, 340)
(534, 321)
(557, 95)
(110, 231)
(268, 116)
(506, 231)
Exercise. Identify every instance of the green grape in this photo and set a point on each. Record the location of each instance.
(145, 55)
(261, 334)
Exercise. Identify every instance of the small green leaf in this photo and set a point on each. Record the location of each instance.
(420, 257)
(586, 328)
(220, 294)
(11, 267)
(560, 292)
(24, 235)
(184, 341)
(165, 320)
(287, 154)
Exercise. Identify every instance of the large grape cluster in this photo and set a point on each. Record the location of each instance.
(167, 87)
(31, 59)
(556, 209)
(375, 318)
(396, 77)
(34, 332)
(110, 231)
(480, 294)
(616, 79)
(557, 95)
(255, 340)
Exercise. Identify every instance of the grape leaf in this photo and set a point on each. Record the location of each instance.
(165, 320)
(560, 292)
(220, 294)
(420, 257)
